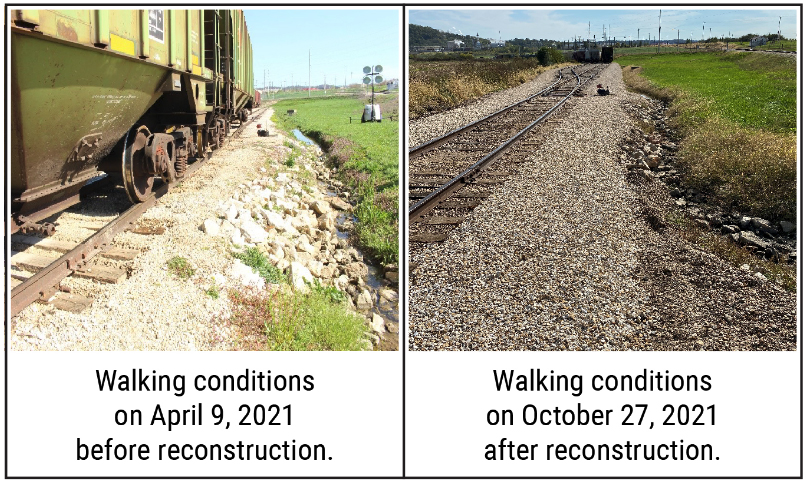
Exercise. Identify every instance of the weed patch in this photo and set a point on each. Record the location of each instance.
(330, 293)
(180, 267)
(255, 259)
(281, 320)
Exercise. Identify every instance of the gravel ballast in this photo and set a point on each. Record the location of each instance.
(560, 257)
(427, 128)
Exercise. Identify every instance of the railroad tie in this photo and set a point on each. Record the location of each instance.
(109, 275)
(146, 230)
(498, 180)
(49, 244)
(443, 220)
(472, 195)
(427, 238)
(455, 204)
(70, 302)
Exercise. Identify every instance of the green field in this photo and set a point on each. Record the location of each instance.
(737, 113)
(367, 157)
(349, 91)
(787, 46)
(754, 90)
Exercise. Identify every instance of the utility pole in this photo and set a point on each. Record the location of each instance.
(638, 38)
(678, 40)
(659, 13)
(309, 73)
(324, 81)
(779, 33)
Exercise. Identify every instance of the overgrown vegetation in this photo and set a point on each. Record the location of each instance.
(180, 267)
(281, 320)
(367, 158)
(438, 86)
(255, 259)
(736, 114)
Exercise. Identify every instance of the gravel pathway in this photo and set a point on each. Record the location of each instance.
(152, 309)
(560, 257)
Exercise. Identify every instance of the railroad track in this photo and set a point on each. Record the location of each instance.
(450, 175)
(37, 278)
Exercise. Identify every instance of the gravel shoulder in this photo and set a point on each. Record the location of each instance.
(561, 257)
(153, 309)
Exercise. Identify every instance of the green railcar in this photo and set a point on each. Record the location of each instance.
(139, 92)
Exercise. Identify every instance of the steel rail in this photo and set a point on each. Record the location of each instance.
(426, 204)
(41, 285)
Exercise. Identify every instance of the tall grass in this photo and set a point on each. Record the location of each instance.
(438, 86)
(736, 114)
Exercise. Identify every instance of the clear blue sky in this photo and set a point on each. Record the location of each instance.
(562, 24)
(341, 41)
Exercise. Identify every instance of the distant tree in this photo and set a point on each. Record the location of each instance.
(543, 56)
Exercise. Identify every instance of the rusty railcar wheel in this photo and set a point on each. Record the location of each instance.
(137, 181)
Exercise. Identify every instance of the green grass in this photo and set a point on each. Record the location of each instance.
(292, 321)
(752, 90)
(213, 292)
(255, 259)
(180, 267)
(736, 114)
(367, 157)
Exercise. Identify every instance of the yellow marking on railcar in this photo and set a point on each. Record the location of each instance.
(122, 45)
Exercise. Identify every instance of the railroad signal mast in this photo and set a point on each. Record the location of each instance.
(372, 112)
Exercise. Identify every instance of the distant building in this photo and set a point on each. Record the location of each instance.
(392, 84)
(454, 44)
(431, 48)
(756, 41)
(498, 44)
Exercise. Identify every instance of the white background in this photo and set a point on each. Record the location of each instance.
(355, 410)
(757, 398)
